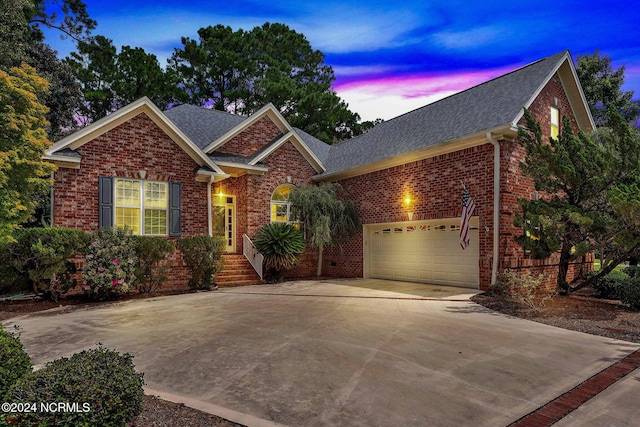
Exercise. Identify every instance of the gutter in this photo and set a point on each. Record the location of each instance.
(496, 205)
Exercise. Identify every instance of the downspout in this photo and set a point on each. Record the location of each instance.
(209, 202)
(51, 203)
(496, 205)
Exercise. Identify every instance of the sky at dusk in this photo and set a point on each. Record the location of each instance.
(390, 57)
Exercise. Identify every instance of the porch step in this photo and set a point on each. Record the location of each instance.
(237, 271)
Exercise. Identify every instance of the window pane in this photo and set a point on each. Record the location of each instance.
(155, 221)
(127, 193)
(281, 194)
(129, 219)
(156, 195)
(278, 212)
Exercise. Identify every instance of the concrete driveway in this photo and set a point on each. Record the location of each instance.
(340, 352)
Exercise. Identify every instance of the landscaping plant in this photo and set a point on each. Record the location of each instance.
(101, 384)
(14, 362)
(281, 245)
(111, 263)
(39, 258)
(516, 286)
(152, 268)
(203, 256)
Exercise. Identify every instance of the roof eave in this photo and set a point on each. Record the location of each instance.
(479, 138)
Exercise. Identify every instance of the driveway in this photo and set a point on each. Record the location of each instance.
(341, 352)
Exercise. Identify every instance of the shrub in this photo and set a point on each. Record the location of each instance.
(281, 245)
(519, 287)
(111, 263)
(632, 271)
(14, 361)
(39, 258)
(608, 286)
(152, 270)
(102, 383)
(203, 256)
(629, 292)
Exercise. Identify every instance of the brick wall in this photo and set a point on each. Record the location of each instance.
(250, 140)
(135, 145)
(434, 186)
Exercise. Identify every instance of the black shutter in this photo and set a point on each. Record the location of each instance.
(175, 209)
(105, 201)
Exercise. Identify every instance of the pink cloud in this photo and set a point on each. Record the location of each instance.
(421, 85)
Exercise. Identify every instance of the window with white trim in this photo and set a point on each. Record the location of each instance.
(280, 205)
(142, 206)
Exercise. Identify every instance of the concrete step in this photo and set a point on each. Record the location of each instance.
(236, 277)
(241, 283)
(236, 271)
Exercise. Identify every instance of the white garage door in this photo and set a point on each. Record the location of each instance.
(423, 251)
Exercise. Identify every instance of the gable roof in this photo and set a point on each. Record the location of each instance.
(62, 150)
(490, 106)
(211, 129)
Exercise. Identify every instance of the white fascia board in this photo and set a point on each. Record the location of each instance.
(268, 110)
(566, 59)
(63, 161)
(300, 146)
(242, 166)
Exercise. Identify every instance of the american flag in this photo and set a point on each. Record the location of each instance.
(468, 206)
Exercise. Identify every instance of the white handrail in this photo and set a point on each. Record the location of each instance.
(252, 255)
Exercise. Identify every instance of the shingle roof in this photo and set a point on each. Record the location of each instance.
(319, 148)
(202, 125)
(494, 103)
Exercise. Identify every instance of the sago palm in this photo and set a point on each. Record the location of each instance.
(281, 245)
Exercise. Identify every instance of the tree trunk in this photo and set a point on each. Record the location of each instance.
(608, 269)
(319, 272)
(563, 269)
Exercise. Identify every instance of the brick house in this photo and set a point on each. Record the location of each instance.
(190, 170)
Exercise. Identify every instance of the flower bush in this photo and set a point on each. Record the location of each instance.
(111, 263)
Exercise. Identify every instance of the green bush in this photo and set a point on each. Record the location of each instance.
(102, 383)
(629, 292)
(203, 256)
(14, 362)
(152, 270)
(608, 287)
(111, 263)
(39, 259)
(281, 245)
(632, 271)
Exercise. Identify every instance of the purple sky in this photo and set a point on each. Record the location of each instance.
(391, 57)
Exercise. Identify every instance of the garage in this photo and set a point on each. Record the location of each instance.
(422, 251)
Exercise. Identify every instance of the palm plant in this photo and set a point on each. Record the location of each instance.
(281, 245)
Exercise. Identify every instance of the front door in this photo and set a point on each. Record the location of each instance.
(224, 220)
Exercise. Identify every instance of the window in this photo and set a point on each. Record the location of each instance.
(555, 122)
(280, 205)
(142, 206)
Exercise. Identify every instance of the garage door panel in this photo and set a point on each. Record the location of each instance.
(426, 251)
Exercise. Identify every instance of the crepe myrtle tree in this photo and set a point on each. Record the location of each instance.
(327, 218)
(590, 196)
